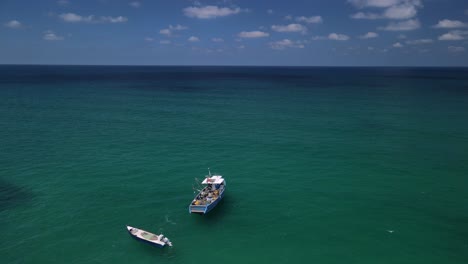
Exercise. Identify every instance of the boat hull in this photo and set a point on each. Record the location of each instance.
(204, 209)
(146, 241)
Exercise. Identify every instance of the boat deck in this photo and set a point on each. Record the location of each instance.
(144, 235)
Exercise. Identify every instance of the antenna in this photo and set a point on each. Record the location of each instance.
(209, 172)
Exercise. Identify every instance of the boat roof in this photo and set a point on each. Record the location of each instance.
(215, 179)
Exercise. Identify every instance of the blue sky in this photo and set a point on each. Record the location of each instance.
(316, 33)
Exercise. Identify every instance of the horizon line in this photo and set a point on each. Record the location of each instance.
(234, 65)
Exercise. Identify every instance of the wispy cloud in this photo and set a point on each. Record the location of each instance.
(118, 19)
(15, 24)
(149, 39)
(407, 25)
(270, 11)
(393, 9)
(332, 36)
(369, 35)
(74, 18)
(63, 2)
(419, 41)
(170, 30)
(253, 34)
(397, 45)
(310, 20)
(165, 42)
(447, 23)
(381, 3)
(210, 11)
(454, 49)
(50, 35)
(177, 27)
(217, 40)
(336, 36)
(193, 39)
(454, 35)
(135, 4)
(165, 31)
(289, 28)
(362, 15)
(286, 43)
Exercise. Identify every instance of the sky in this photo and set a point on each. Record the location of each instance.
(237, 32)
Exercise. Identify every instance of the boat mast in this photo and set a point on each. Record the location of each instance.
(209, 172)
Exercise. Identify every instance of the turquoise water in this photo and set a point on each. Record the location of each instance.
(323, 165)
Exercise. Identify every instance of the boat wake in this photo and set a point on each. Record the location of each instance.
(169, 221)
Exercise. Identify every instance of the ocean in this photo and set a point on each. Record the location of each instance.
(323, 165)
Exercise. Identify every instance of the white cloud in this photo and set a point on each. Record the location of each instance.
(362, 15)
(119, 19)
(165, 42)
(403, 11)
(286, 43)
(382, 3)
(135, 4)
(211, 50)
(13, 24)
(193, 39)
(270, 11)
(310, 20)
(177, 27)
(253, 34)
(50, 35)
(335, 36)
(289, 28)
(74, 18)
(397, 45)
(165, 31)
(407, 25)
(455, 49)
(217, 40)
(393, 9)
(369, 35)
(288, 17)
(208, 12)
(168, 31)
(401, 36)
(447, 23)
(63, 2)
(419, 41)
(149, 39)
(454, 35)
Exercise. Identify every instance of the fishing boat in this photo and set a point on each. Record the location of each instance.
(149, 238)
(210, 195)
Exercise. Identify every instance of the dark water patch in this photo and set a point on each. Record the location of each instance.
(12, 195)
(37, 74)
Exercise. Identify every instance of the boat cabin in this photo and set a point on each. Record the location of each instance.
(214, 188)
(215, 179)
